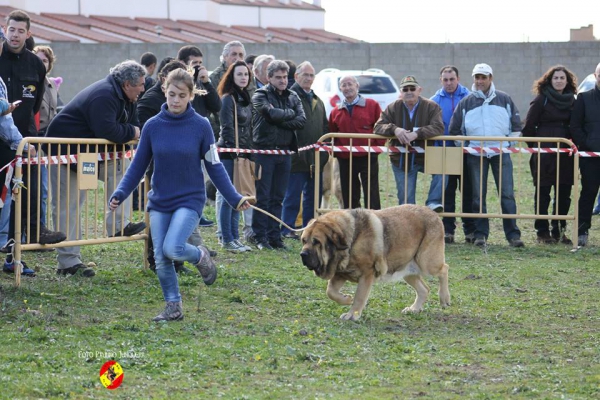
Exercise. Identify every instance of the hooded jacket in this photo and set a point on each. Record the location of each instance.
(24, 75)
(491, 115)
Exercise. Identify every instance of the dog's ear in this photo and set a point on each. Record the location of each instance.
(337, 237)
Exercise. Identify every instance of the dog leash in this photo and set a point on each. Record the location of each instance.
(252, 199)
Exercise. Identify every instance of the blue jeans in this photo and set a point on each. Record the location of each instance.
(170, 232)
(270, 190)
(229, 219)
(435, 189)
(301, 184)
(507, 197)
(5, 218)
(44, 194)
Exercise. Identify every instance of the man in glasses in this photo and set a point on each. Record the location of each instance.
(448, 97)
(409, 121)
(489, 112)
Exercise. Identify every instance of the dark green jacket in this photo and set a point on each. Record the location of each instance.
(316, 126)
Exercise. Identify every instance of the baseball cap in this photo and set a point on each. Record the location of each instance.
(409, 80)
(482, 69)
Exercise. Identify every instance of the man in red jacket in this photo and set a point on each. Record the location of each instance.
(357, 114)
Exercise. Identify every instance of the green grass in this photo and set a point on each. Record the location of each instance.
(524, 323)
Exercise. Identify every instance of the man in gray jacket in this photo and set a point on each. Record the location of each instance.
(489, 112)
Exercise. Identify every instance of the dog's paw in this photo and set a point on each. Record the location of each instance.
(412, 310)
(350, 316)
(346, 300)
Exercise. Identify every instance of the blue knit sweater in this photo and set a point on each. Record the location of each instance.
(178, 143)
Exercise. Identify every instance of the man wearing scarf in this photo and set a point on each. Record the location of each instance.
(489, 112)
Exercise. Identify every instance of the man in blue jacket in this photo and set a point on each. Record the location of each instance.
(104, 110)
(448, 97)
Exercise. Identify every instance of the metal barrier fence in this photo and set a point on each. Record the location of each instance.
(446, 160)
(77, 204)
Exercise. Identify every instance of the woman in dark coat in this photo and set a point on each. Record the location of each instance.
(235, 99)
(548, 116)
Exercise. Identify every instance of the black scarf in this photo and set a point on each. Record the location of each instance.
(243, 97)
(562, 101)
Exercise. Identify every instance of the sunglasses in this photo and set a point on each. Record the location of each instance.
(407, 88)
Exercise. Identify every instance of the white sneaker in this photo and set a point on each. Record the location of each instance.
(438, 208)
(233, 247)
(242, 245)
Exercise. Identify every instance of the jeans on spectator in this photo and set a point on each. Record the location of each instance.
(435, 189)
(270, 191)
(228, 217)
(590, 183)
(507, 197)
(247, 218)
(170, 232)
(5, 218)
(301, 185)
(360, 175)
(43, 205)
(454, 182)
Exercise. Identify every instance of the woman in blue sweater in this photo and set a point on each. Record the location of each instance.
(178, 139)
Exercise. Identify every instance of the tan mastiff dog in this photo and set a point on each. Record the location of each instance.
(404, 242)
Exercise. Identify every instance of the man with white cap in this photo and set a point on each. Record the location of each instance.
(489, 112)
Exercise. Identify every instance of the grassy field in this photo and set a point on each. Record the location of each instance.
(524, 323)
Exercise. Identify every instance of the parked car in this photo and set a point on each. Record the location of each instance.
(374, 84)
(587, 84)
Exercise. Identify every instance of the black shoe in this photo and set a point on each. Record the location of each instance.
(263, 246)
(205, 222)
(77, 269)
(132, 228)
(291, 235)
(278, 244)
(50, 237)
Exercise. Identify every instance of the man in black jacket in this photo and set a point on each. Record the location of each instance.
(585, 128)
(104, 110)
(302, 176)
(208, 101)
(277, 114)
(24, 75)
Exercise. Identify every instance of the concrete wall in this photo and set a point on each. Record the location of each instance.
(516, 65)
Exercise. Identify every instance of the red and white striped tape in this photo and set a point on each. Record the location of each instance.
(72, 159)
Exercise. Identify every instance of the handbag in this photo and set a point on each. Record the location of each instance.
(244, 170)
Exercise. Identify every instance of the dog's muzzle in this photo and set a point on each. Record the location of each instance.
(307, 260)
